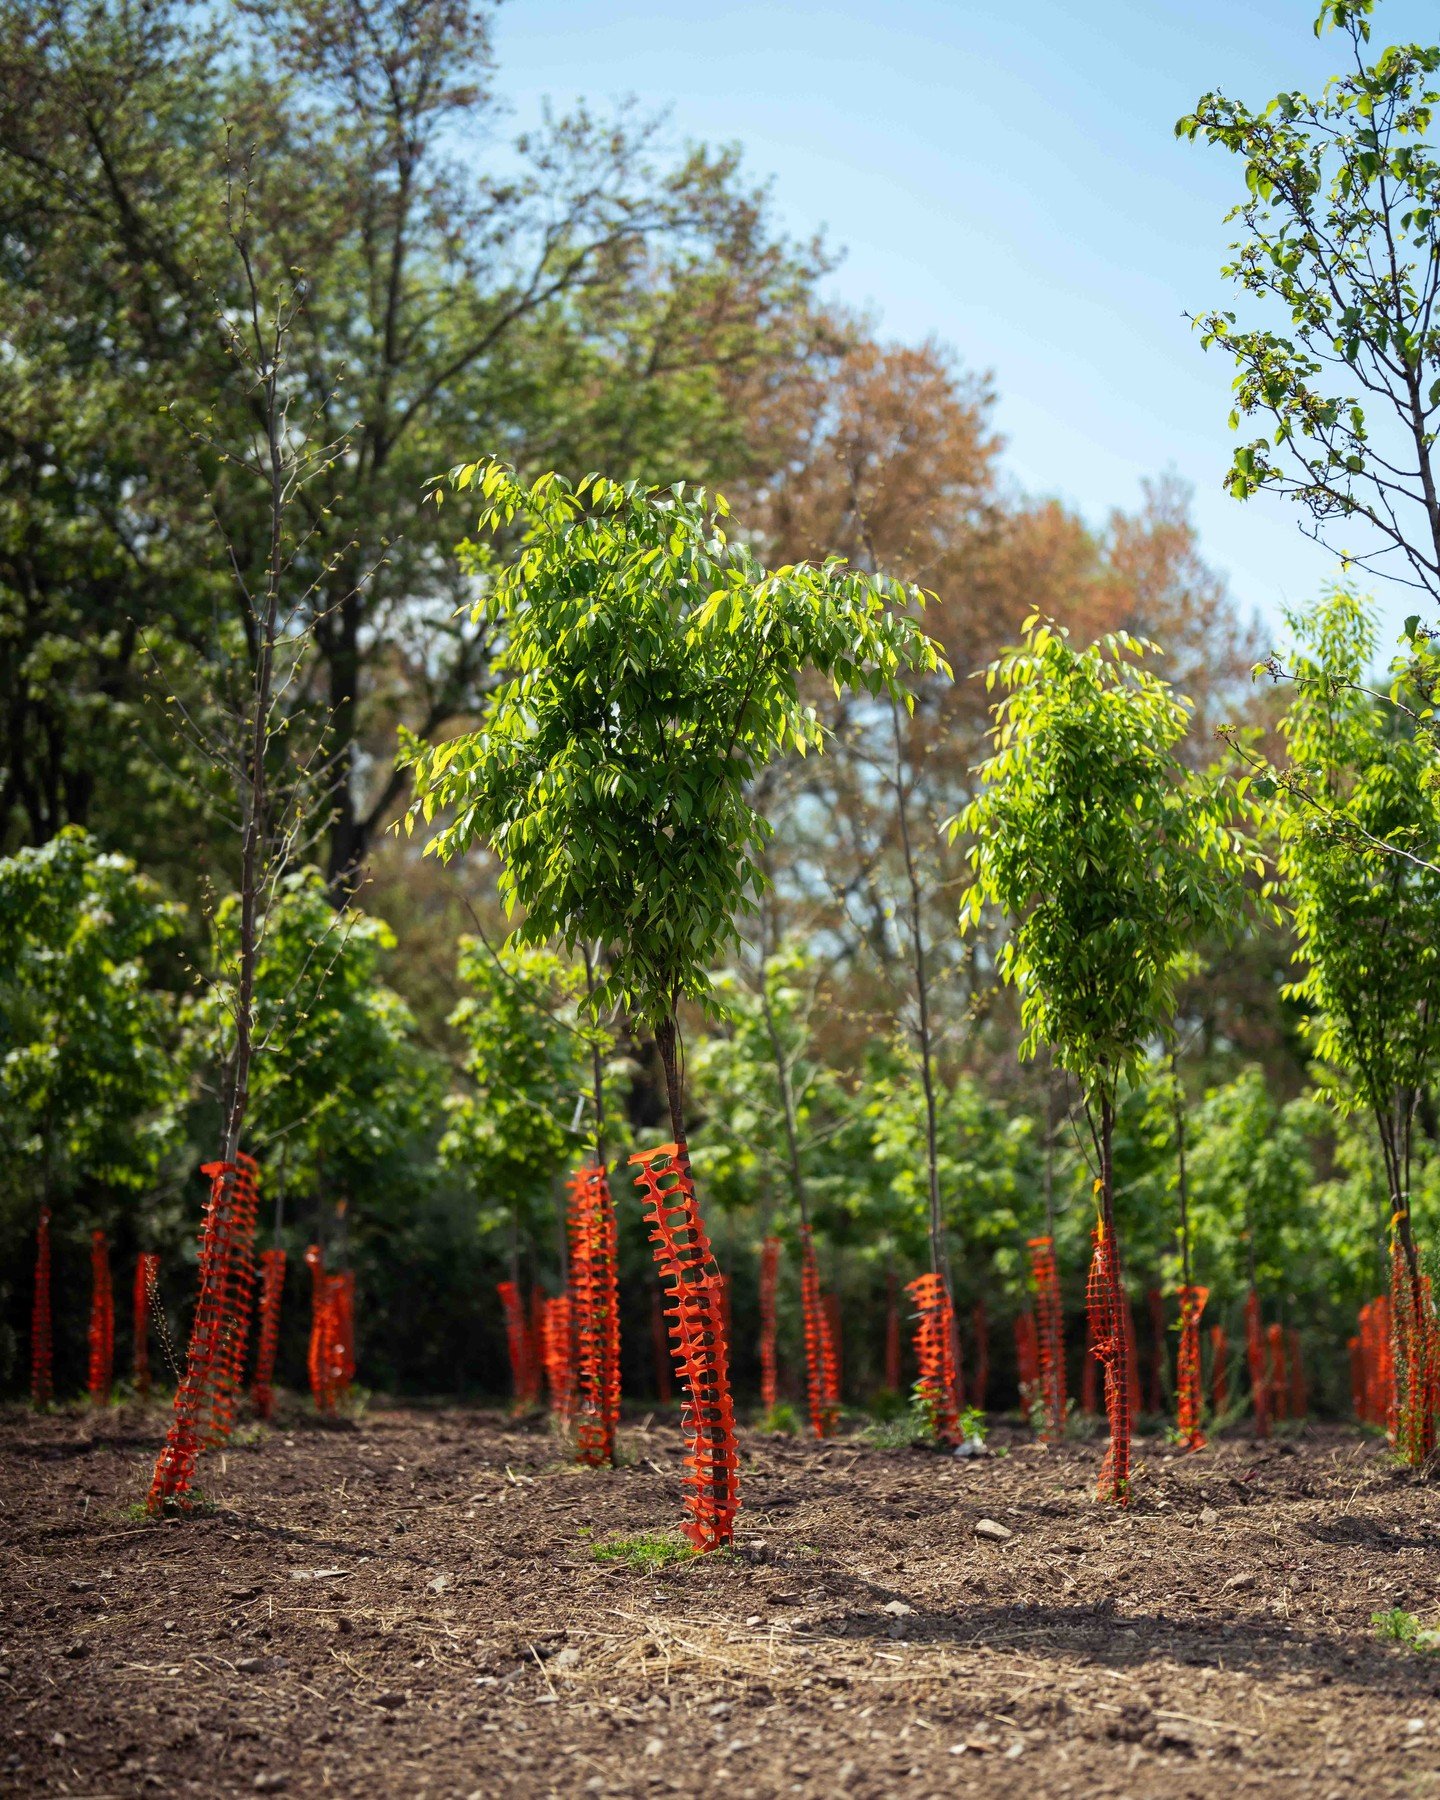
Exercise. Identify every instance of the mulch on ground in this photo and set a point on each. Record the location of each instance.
(410, 1603)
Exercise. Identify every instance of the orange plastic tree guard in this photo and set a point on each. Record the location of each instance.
(204, 1399)
(272, 1289)
(315, 1359)
(1027, 1361)
(1219, 1377)
(1415, 1361)
(344, 1315)
(102, 1320)
(559, 1357)
(769, 1275)
(42, 1335)
(1377, 1364)
(980, 1331)
(1159, 1353)
(697, 1333)
(517, 1342)
(1279, 1388)
(595, 1302)
(831, 1302)
(1111, 1344)
(1299, 1396)
(1187, 1369)
(147, 1273)
(1256, 1358)
(1050, 1333)
(821, 1381)
(659, 1347)
(935, 1356)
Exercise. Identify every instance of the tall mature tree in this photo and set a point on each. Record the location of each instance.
(585, 298)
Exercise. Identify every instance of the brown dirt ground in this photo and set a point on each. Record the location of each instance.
(409, 1604)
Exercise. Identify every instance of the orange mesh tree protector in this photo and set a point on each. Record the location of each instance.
(42, 1331)
(1027, 1362)
(1219, 1370)
(595, 1302)
(697, 1333)
(517, 1342)
(820, 1376)
(1159, 1352)
(659, 1347)
(560, 1357)
(980, 1331)
(1112, 1347)
(1415, 1361)
(321, 1357)
(344, 1332)
(102, 1320)
(272, 1288)
(1279, 1387)
(1378, 1406)
(935, 1356)
(769, 1276)
(205, 1395)
(1256, 1359)
(1299, 1396)
(1189, 1392)
(147, 1273)
(1050, 1333)
(834, 1326)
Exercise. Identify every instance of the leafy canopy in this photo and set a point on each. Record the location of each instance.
(90, 1087)
(1109, 860)
(1367, 920)
(651, 669)
(1342, 240)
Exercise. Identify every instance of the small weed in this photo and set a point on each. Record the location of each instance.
(974, 1424)
(645, 1552)
(910, 1427)
(888, 1405)
(1404, 1628)
(248, 1437)
(782, 1419)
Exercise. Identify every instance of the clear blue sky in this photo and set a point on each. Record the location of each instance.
(1006, 178)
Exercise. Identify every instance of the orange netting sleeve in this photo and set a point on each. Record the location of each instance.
(1279, 1387)
(1219, 1375)
(42, 1334)
(1050, 1336)
(697, 1332)
(559, 1357)
(1187, 1368)
(517, 1342)
(102, 1320)
(1377, 1364)
(218, 1336)
(1111, 1344)
(980, 1331)
(272, 1288)
(820, 1376)
(1415, 1361)
(769, 1276)
(935, 1356)
(147, 1274)
(322, 1359)
(1257, 1360)
(595, 1303)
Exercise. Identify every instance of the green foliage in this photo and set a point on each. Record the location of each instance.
(1109, 860)
(782, 1420)
(651, 670)
(1367, 921)
(90, 1083)
(529, 1062)
(645, 1552)
(339, 1087)
(1403, 1627)
(1342, 237)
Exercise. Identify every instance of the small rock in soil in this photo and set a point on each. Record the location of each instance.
(993, 1530)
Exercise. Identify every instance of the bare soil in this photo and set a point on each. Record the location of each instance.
(410, 1603)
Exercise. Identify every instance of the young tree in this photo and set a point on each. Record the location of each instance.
(1367, 920)
(1109, 862)
(651, 671)
(1343, 240)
